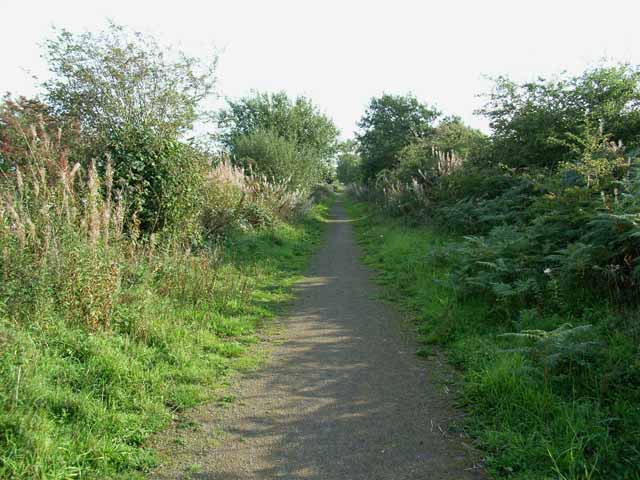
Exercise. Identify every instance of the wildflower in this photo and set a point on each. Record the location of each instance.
(547, 271)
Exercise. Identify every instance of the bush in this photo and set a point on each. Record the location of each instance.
(285, 139)
(161, 178)
(105, 335)
(544, 123)
(278, 159)
(389, 124)
(117, 79)
(537, 293)
(349, 168)
(550, 389)
(133, 101)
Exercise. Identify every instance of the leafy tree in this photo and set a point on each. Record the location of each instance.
(116, 79)
(451, 143)
(134, 101)
(299, 124)
(349, 168)
(389, 124)
(266, 152)
(452, 135)
(543, 123)
(298, 121)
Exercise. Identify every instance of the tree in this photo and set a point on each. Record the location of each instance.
(247, 125)
(133, 101)
(389, 124)
(452, 135)
(267, 153)
(544, 123)
(117, 79)
(349, 169)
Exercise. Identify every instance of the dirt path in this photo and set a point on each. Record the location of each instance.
(344, 396)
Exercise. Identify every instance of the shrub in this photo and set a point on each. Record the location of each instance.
(105, 334)
(348, 169)
(134, 101)
(116, 79)
(278, 159)
(159, 176)
(389, 124)
(544, 123)
(279, 137)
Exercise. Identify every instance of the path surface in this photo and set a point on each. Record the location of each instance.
(344, 397)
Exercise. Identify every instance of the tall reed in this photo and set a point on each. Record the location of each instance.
(60, 234)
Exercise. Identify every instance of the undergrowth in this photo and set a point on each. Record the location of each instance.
(551, 393)
(105, 335)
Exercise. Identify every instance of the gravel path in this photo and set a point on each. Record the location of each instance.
(343, 396)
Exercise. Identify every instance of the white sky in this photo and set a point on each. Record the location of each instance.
(341, 53)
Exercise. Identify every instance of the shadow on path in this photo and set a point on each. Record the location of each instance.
(344, 396)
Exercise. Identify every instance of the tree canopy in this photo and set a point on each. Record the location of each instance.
(349, 168)
(116, 79)
(278, 136)
(545, 122)
(133, 101)
(389, 124)
(297, 120)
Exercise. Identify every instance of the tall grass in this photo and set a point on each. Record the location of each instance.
(105, 336)
(61, 237)
(241, 199)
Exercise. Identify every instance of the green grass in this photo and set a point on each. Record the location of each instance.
(578, 422)
(80, 403)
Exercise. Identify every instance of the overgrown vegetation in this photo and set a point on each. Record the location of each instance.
(286, 140)
(524, 260)
(136, 266)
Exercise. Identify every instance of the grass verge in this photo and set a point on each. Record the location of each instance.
(80, 403)
(538, 408)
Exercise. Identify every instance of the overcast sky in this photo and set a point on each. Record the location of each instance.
(341, 53)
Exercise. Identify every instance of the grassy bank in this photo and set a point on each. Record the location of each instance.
(80, 402)
(546, 400)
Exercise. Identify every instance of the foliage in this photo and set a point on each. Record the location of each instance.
(390, 123)
(116, 79)
(262, 127)
(543, 123)
(266, 153)
(452, 135)
(135, 266)
(64, 236)
(160, 177)
(297, 120)
(235, 199)
(104, 338)
(133, 101)
(426, 164)
(562, 345)
(523, 259)
(545, 400)
(349, 167)
(20, 120)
